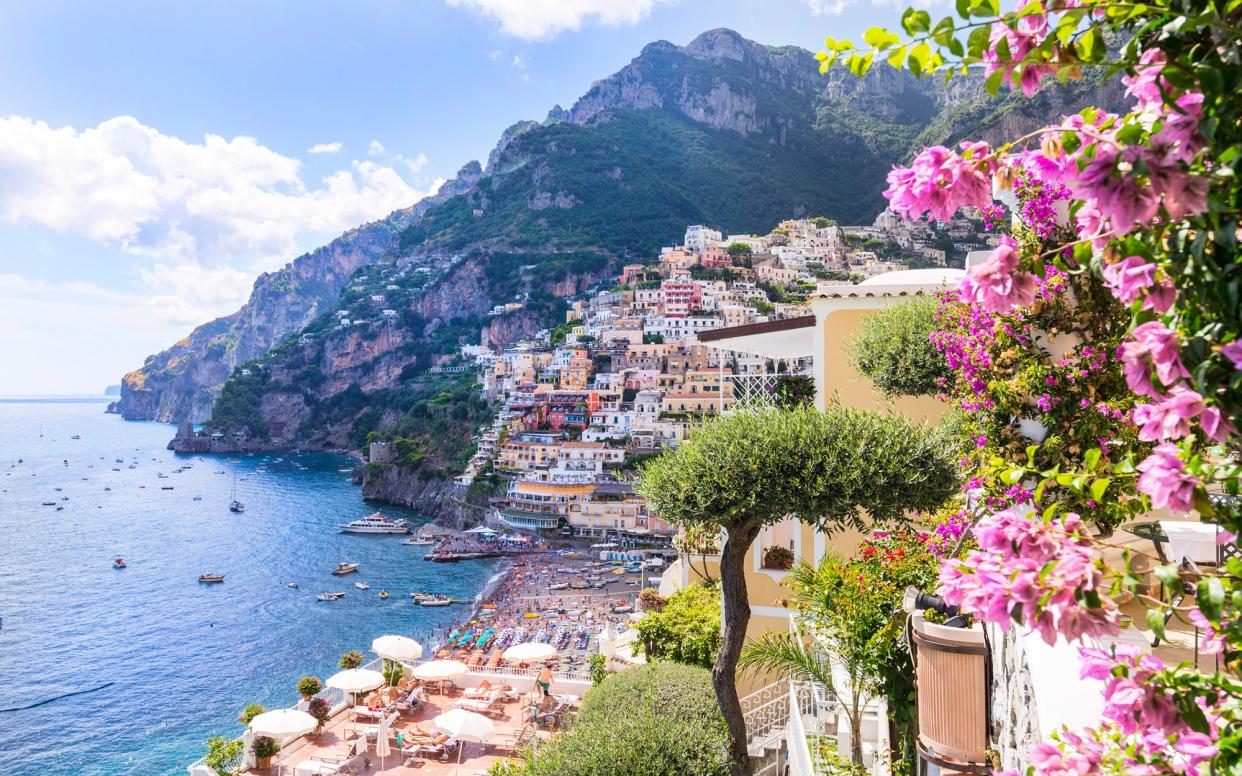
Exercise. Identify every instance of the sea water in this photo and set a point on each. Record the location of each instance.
(179, 659)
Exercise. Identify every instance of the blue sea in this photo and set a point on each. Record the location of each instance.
(182, 658)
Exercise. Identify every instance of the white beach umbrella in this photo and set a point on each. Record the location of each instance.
(439, 670)
(382, 746)
(529, 652)
(356, 680)
(464, 726)
(283, 723)
(399, 648)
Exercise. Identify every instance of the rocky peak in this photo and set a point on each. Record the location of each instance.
(720, 43)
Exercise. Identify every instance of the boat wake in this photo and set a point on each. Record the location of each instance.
(46, 701)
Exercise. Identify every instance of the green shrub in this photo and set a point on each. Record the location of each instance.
(599, 668)
(686, 629)
(655, 720)
(224, 756)
(250, 712)
(893, 349)
(266, 746)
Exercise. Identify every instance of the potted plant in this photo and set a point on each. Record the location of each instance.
(309, 687)
(777, 557)
(351, 659)
(321, 710)
(265, 748)
(250, 712)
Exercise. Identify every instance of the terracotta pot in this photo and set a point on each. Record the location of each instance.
(951, 672)
(263, 762)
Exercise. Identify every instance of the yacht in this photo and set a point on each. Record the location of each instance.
(210, 578)
(330, 596)
(376, 524)
(344, 568)
(234, 504)
(435, 600)
(420, 539)
(362, 586)
(293, 585)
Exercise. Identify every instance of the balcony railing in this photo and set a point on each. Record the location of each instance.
(758, 391)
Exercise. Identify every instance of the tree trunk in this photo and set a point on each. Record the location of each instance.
(735, 616)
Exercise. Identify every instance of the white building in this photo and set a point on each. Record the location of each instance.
(699, 238)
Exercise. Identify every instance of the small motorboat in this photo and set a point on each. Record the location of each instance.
(362, 586)
(420, 540)
(420, 596)
(49, 503)
(76, 436)
(119, 563)
(383, 594)
(197, 498)
(435, 600)
(344, 568)
(330, 596)
(211, 578)
(166, 487)
(624, 609)
(236, 506)
(561, 586)
(293, 585)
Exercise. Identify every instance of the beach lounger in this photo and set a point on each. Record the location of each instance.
(331, 764)
(442, 747)
(368, 732)
(491, 706)
(414, 699)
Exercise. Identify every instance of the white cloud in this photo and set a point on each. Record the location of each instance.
(518, 62)
(376, 148)
(128, 186)
(324, 148)
(542, 19)
(836, 7)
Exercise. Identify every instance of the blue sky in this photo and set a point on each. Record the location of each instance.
(156, 156)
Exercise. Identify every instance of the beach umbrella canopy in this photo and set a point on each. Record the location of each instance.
(283, 723)
(398, 648)
(529, 652)
(356, 680)
(465, 725)
(439, 670)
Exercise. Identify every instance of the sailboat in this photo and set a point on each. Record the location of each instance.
(234, 504)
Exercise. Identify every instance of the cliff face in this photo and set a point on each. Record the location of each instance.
(182, 382)
(437, 497)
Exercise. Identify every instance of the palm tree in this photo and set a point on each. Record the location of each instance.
(804, 657)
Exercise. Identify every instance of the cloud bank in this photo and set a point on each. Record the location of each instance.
(543, 19)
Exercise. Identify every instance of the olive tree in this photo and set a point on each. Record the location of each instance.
(893, 348)
(750, 469)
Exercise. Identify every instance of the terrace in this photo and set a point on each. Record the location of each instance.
(520, 720)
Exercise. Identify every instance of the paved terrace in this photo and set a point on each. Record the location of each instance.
(514, 733)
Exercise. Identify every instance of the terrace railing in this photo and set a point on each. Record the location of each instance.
(757, 391)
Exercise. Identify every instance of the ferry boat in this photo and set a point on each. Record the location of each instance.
(435, 600)
(362, 586)
(376, 524)
(420, 539)
(119, 563)
(330, 596)
(210, 578)
(344, 568)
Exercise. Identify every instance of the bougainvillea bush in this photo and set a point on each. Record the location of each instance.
(1145, 206)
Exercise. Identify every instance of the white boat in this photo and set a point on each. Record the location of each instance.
(293, 585)
(420, 539)
(330, 596)
(234, 504)
(362, 586)
(435, 600)
(210, 578)
(376, 524)
(344, 568)
(560, 586)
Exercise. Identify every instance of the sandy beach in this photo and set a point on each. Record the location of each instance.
(523, 606)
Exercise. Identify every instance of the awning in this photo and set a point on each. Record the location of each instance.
(787, 338)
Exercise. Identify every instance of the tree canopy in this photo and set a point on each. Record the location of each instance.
(893, 348)
(687, 629)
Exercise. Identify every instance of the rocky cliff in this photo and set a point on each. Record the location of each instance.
(183, 381)
(436, 496)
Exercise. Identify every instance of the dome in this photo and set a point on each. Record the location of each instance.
(916, 277)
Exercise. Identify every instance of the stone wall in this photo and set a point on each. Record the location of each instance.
(1015, 720)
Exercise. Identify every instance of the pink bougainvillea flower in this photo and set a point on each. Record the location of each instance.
(1233, 352)
(1144, 86)
(1164, 479)
(940, 181)
(1120, 196)
(995, 285)
(1029, 31)
(1129, 278)
(1152, 345)
(1170, 418)
(1213, 642)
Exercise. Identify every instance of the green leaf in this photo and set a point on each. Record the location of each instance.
(1211, 597)
(977, 42)
(897, 57)
(1087, 44)
(1091, 458)
(1167, 574)
(915, 20)
(1155, 621)
(919, 57)
(1098, 488)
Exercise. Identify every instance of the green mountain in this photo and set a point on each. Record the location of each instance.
(722, 131)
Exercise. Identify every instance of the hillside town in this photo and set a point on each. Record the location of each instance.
(627, 374)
